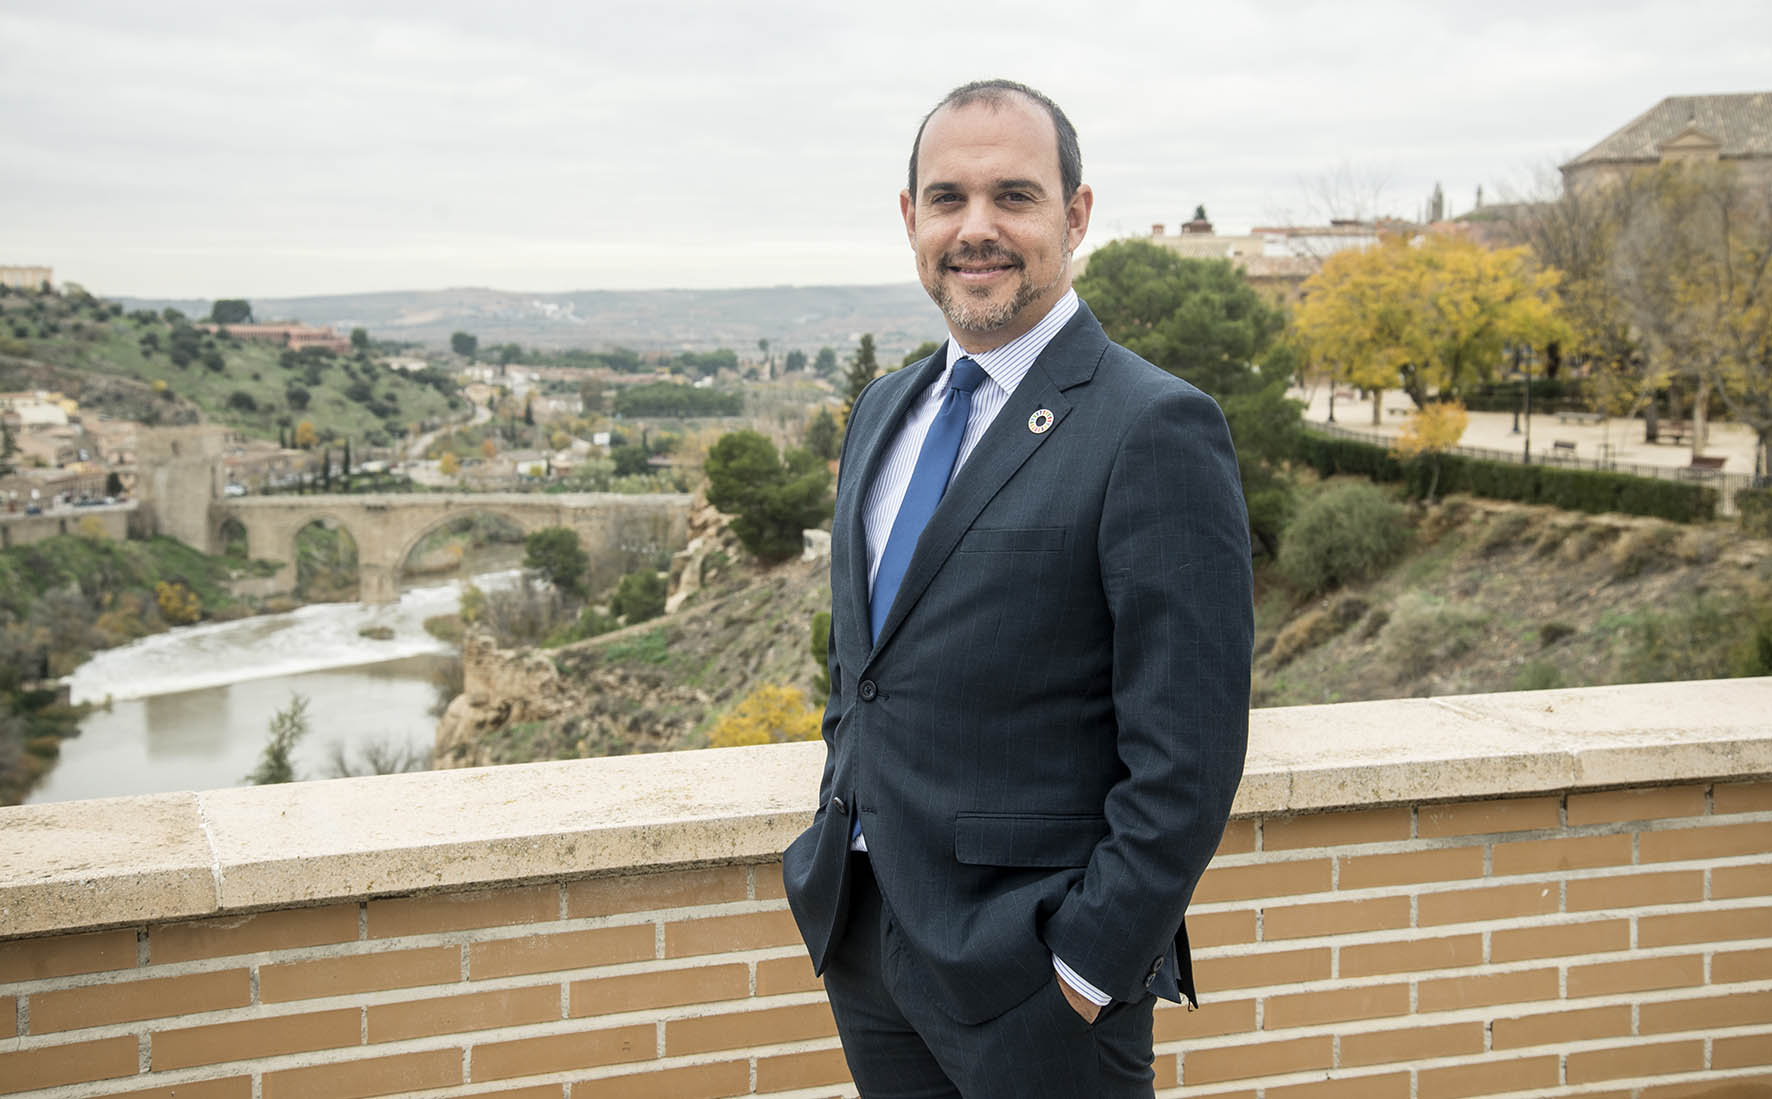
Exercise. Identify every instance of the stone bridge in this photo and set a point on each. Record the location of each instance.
(619, 533)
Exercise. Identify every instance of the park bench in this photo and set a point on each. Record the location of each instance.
(1581, 417)
(1672, 431)
(1703, 465)
(1562, 450)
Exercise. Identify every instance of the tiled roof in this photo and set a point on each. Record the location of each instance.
(1742, 124)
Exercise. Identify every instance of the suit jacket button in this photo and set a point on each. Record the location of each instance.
(867, 690)
(838, 807)
(1151, 980)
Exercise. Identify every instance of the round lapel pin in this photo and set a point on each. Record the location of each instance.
(1041, 421)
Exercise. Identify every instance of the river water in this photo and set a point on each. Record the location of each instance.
(189, 709)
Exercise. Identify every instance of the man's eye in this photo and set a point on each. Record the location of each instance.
(1017, 196)
(944, 199)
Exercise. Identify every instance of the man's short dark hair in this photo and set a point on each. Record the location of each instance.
(997, 93)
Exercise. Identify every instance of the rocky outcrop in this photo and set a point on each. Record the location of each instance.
(731, 627)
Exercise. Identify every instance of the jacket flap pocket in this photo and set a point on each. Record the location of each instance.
(1012, 540)
(1027, 839)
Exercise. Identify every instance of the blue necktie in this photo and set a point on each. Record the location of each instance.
(935, 464)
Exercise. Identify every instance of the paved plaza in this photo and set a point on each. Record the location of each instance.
(1495, 431)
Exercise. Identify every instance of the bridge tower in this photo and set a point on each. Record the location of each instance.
(180, 472)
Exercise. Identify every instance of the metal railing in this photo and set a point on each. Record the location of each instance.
(1726, 484)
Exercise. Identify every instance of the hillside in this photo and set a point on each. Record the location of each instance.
(1491, 597)
(157, 368)
(805, 317)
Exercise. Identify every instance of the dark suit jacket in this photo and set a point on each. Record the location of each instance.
(1044, 741)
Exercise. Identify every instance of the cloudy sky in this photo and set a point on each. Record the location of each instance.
(266, 149)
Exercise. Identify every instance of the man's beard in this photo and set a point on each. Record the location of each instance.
(970, 312)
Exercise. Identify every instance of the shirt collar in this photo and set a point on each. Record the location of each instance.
(1008, 365)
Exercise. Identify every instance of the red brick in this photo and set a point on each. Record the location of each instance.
(723, 934)
(454, 1014)
(1637, 803)
(263, 931)
(740, 1029)
(1206, 929)
(662, 988)
(1335, 1006)
(1211, 1065)
(251, 1038)
(1238, 838)
(1734, 1087)
(8, 1016)
(1717, 925)
(127, 1001)
(74, 1063)
(1563, 853)
(690, 1082)
(426, 915)
(1741, 1052)
(1214, 1018)
(1475, 818)
(1310, 830)
(1262, 880)
(397, 1075)
(1482, 990)
(1713, 842)
(1559, 940)
(1741, 797)
(66, 955)
(1729, 966)
(1636, 975)
(567, 950)
(1393, 1085)
(232, 1087)
(1495, 902)
(1706, 1014)
(1636, 1059)
(1412, 1044)
(1411, 955)
(352, 973)
(793, 1071)
(563, 1052)
(766, 883)
(1553, 1028)
(1410, 867)
(651, 892)
(1489, 1077)
(1258, 969)
(1298, 921)
(778, 976)
(1634, 890)
(1729, 882)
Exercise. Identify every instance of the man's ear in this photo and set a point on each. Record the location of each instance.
(909, 210)
(1076, 215)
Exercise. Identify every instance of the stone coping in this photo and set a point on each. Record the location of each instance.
(88, 864)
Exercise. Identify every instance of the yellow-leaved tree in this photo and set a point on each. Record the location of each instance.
(771, 714)
(1432, 314)
(1431, 431)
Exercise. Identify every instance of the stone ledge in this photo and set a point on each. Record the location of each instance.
(82, 865)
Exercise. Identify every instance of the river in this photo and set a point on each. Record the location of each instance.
(188, 709)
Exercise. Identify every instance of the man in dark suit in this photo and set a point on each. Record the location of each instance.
(1040, 639)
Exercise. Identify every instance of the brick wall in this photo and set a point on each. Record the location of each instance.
(1610, 942)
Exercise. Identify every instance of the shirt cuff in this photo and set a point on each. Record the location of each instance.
(1082, 988)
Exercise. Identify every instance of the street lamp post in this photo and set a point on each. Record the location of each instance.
(1528, 455)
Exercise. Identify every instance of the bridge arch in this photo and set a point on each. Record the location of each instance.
(619, 532)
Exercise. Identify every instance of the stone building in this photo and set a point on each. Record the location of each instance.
(20, 277)
(1735, 129)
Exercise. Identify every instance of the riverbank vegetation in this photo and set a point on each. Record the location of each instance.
(67, 597)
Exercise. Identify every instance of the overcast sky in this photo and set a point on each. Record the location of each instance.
(273, 149)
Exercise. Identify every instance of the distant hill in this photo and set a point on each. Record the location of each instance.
(804, 317)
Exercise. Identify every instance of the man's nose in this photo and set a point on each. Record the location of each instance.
(979, 225)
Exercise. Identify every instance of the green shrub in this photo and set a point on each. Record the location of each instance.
(639, 597)
(1571, 489)
(1755, 507)
(1349, 531)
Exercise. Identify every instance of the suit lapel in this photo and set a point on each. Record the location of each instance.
(869, 449)
(1069, 360)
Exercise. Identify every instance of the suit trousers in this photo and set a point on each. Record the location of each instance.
(900, 1045)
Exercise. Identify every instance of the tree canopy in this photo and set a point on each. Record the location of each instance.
(556, 554)
(1433, 313)
(773, 500)
(231, 311)
(464, 344)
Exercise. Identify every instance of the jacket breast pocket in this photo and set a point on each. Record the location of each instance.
(1027, 839)
(1012, 540)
